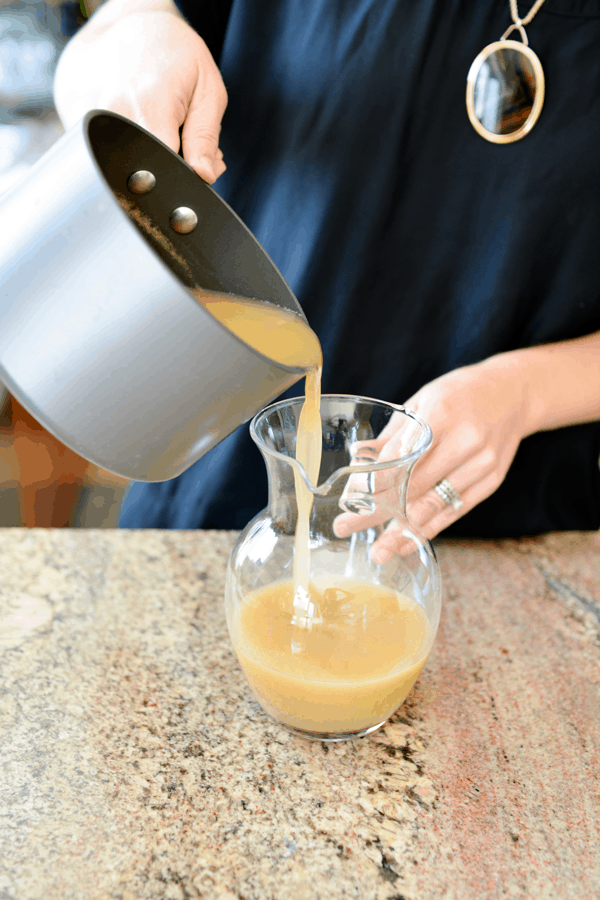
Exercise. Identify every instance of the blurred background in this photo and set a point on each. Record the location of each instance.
(42, 483)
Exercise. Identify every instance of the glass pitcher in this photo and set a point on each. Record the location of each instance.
(339, 663)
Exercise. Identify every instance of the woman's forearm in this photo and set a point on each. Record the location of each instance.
(561, 381)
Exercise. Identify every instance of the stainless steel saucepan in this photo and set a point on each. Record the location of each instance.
(100, 336)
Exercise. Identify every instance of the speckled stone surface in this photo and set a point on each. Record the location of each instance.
(135, 764)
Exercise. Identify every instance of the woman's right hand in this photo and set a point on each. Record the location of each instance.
(141, 59)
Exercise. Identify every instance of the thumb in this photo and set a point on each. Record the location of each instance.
(202, 126)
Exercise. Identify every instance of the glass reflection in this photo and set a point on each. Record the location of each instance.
(504, 91)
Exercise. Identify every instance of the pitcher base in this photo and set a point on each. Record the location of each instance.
(332, 737)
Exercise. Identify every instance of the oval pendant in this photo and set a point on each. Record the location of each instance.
(505, 91)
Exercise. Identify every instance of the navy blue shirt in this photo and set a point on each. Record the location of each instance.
(413, 245)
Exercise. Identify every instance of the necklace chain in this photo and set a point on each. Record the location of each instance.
(515, 12)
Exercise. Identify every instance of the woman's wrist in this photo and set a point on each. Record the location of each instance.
(557, 384)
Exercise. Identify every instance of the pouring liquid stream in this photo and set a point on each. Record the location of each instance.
(287, 339)
(324, 654)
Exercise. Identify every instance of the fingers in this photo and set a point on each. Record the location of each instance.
(348, 523)
(426, 503)
(202, 126)
(433, 515)
(395, 423)
(152, 67)
(379, 507)
(391, 541)
(460, 446)
(474, 480)
(159, 121)
(455, 462)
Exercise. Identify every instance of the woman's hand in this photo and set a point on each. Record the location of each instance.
(141, 59)
(478, 415)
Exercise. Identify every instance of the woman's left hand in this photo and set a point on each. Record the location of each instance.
(478, 415)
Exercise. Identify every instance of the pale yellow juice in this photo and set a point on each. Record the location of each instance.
(285, 338)
(333, 656)
(277, 333)
(358, 662)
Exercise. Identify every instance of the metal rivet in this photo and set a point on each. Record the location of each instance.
(141, 182)
(183, 220)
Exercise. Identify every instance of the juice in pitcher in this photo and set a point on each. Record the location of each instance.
(330, 649)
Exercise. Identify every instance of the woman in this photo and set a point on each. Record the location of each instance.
(454, 275)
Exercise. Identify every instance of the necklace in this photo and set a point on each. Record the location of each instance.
(505, 85)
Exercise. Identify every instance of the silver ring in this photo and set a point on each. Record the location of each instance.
(448, 494)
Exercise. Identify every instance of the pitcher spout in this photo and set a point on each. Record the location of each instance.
(369, 450)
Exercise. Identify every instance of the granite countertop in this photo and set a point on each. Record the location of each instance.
(136, 765)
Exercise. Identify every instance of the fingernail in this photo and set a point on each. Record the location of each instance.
(208, 167)
(379, 555)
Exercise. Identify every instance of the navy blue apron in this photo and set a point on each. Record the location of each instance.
(413, 245)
